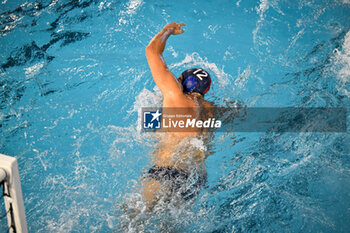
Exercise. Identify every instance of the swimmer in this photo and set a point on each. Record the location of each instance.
(179, 167)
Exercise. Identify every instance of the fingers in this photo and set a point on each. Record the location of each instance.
(179, 25)
(174, 24)
(175, 28)
(179, 29)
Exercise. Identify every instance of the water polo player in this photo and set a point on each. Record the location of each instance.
(179, 169)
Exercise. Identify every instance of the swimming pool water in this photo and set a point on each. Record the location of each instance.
(74, 77)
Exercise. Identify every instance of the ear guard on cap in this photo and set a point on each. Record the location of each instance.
(189, 84)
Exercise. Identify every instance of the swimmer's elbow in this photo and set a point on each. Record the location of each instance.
(149, 50)
(152, 49)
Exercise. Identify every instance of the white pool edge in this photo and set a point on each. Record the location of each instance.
(14, 205)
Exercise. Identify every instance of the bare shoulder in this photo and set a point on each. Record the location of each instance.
(176, 101)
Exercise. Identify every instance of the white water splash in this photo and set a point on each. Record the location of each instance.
(341, 59)
(263, 7)
(133, 6)
(198, 143)
(131, 9)
(173, 52)
(195, 59)
(53, 3)
(40, 157)
(104, 5)
(31, 71)
(242, 78)
(295, 165)
(145, 98)
(16, 20)
(295, 38)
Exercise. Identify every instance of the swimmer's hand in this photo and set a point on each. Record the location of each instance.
(174, 28)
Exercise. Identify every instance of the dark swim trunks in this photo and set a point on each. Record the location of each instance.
(187, 185)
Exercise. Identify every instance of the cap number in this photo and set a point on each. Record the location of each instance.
(201, 75)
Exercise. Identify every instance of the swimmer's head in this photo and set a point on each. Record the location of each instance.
(195, 80)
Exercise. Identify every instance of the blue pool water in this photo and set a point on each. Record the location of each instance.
(74, 77)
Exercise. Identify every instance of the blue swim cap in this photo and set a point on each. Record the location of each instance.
(196, 80)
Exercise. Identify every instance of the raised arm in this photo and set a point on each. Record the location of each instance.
(164, 79)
